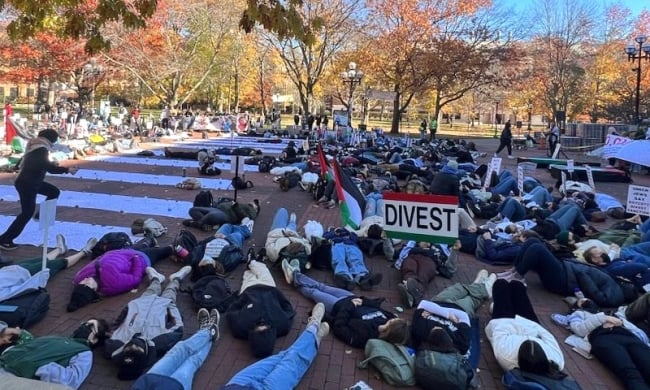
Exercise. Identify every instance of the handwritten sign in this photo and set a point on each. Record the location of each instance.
(495, 166)
(638, 200)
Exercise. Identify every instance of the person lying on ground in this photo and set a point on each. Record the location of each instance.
(113, 273)
(148, 326)
(284, 242)
(497, 251)
(634, 269)
(52, 359)
(261, 313)
(568, 217)
(224, 211)
(224, 251)
(286, 368)
(354, 319)
(176, 369)
(451, 310)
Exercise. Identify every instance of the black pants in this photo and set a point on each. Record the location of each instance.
(505, 144)
(511, 299)
(624, 354)
(535, 256)
(27, 194)
(157, 254)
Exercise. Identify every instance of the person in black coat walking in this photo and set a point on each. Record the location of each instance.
(505, 141)
(31, 182)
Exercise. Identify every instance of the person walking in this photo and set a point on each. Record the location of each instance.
(505, 141)
(31, 182)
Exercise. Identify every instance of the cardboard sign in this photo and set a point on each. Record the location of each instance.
(430, 218)
(563, 182)
(570, 165)
(590, 177)
(638, 200)
(47, 214)
(495, 166)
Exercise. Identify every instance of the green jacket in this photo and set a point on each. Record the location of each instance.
(433, 125)
(24, 359)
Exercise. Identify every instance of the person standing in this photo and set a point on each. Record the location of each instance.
(433, 128)
(553, 138)
(31, 182)
(505, 141)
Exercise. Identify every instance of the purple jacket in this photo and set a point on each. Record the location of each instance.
(120, 270)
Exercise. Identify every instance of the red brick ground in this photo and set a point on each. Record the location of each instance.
(335, 365)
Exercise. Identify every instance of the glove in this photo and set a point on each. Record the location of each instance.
(155, 227)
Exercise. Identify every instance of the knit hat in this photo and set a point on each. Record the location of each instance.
(440, 341)
(3, 326)
(82, 295)
(262, 340)
(374, 231)
(452, 164)
(563, 237)
(133, 362)
(49, 134)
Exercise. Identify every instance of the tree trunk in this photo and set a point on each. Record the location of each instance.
(397, 112)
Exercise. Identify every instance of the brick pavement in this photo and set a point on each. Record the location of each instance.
(335, 365)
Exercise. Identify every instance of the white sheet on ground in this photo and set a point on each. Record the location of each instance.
(143, 178)
(162, 162)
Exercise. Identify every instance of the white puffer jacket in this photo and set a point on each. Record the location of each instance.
(279, 238)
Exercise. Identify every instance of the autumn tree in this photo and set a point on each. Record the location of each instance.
(76, 19)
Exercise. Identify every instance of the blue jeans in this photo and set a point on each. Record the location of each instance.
(347, 260)
(505, 186)
(281, 220)
(236, 234)
(285, 369)
(374, 205)
(512, 209)
(184, 359)
(567, 217)
(645, 229)
(396, 158)
(540, 196)
(319, 292)
(639, 253)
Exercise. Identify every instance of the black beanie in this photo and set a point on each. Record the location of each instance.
(262, 340)
(49, 134)
(82, 295)
(439, 340)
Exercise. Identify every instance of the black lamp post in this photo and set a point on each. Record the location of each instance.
(635, 53)
(530, 115)
(496, 117)
(353, 77)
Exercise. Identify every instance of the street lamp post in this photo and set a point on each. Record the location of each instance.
(353, 77)
(496, 117)
(635, 53)
(530, 114)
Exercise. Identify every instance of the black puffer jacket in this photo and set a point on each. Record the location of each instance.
(258, 304)
(594, 283)
(355, 325)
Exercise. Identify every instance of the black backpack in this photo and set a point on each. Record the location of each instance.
(111, 241)
(240, 184)
(266, 164)
(26, 308)
(186, 239)
(318, 190)
(203, 199)
(212, 292)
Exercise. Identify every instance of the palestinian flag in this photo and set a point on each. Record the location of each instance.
(325, 169)
(351, 200)
(10, 129)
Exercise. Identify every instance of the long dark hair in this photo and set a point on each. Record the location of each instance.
(532, 359)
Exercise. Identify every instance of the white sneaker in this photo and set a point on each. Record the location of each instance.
(481, 276)
(317, 313)
(60, 244)
(292, 218)
(88, 249)
(287, 270)
(154, 275)
(181, 273)
(249, 223)
(489, 283)
(511, 157)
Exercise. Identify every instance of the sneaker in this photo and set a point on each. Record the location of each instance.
(8, 246)
(489, 284)
(571, 301)
(481, 276)
(323, 330)
(330, 205)
(507, 274)
(342, 281)
(511, 157)
(261, 255)
(249, 223)
(154, 275)
(295, 264)
(90, 244)
(317, 313)
(292, 218)
(303, 186)
(322, 199)
(367, 282)
(215, 318)
(560, 319)
(515, 277)
(287, 269)
(406, 296)
(181, 273)
(203, 316)
(60, 244)
(250, 255)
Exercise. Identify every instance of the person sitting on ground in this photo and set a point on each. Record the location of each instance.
(176, 369)
(451, 310)
(208, 218)
(564, 276)
(223, 251)
(113, 273)
(286, 368)
(284, 242)
(617, 343)
(261, 313)
(355, 320)
(148, 326)
(52, 359)
(517, 338)
(206, 161)
(290, 153)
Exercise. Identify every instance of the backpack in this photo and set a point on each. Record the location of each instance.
(26, 308)
(437, 370)
(319, 188)
(111, 241)
(446, 265)
(516, 379)
(266, 164)
(212, 292)
(186, 239)
(394, 362)
(240, 184)
(203, 199)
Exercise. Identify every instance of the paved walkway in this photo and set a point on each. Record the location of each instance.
(336, 365)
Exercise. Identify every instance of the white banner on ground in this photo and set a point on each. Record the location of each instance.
(590, 177)
(613, 144)
(638, 200)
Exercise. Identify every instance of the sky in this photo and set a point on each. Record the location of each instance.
(636, 6)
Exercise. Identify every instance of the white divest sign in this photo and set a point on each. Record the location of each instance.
(638, 200)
